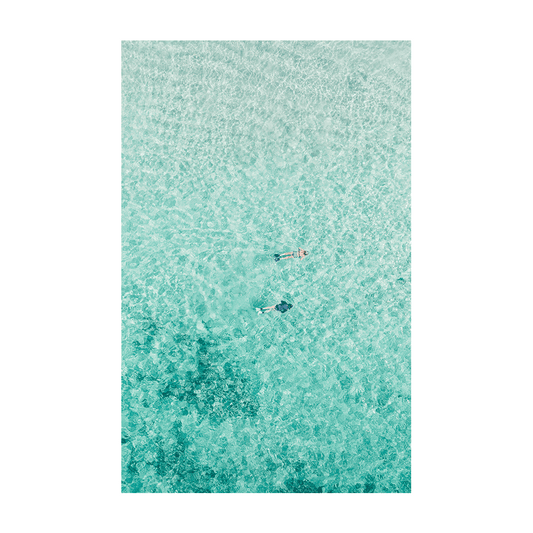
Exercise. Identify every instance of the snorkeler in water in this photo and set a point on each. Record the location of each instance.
(283, 307)
(301, 253)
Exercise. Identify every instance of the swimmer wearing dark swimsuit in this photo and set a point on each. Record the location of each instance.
(283, 307)
(301, 253)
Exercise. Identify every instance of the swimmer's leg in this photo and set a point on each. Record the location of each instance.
(261, 310)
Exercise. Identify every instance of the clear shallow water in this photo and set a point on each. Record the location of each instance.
(234, 151)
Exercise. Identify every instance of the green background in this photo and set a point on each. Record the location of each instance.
(481, 273)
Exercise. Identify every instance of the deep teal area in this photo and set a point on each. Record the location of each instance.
(231, 152)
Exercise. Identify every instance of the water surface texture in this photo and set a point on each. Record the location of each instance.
(231, 152)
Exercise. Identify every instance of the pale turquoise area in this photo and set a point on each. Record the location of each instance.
(231, 152)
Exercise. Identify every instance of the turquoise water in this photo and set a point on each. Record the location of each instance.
(231, 152)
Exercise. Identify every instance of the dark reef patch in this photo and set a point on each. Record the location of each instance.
(301, 485)
(370, 484)
(218, 388)
(405, 482)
